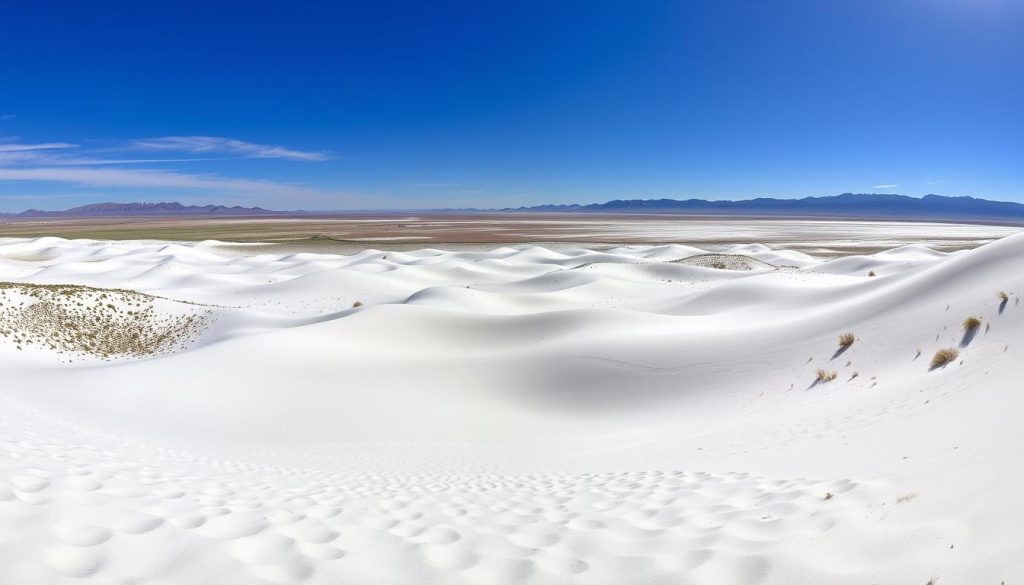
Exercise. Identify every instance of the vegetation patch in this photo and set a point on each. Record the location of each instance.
(79, 321)
(944, 356)
(725, 262)
(825, 376)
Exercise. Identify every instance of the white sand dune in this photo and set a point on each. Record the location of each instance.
(631, 415)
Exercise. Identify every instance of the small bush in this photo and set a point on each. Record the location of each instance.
(846, 340)
(1003, 296)
(971, 323)
(872, 273)
(944, 356)
(825, 376)
(357, 304)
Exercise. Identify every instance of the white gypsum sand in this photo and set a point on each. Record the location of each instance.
(641, 414)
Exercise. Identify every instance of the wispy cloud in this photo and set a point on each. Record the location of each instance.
(886, 186)
(149, 178)
(113, 173)
(34, 147)
(215, 144)
(6, 117)
(935, 182)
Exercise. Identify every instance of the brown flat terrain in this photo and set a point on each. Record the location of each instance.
(341, 233)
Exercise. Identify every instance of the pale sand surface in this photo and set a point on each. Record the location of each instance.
(499, 415)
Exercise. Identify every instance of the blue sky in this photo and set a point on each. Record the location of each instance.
(374, 105)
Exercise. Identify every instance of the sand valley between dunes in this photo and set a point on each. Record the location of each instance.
(203, 413)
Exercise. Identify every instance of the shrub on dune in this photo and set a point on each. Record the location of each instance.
(846, 340)
(1004, 299)
(944, 356)
(357, 304)
(971, 323)
(825, 376)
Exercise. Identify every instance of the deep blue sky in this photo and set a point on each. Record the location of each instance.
(403, 105)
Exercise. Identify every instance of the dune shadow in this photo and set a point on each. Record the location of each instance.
(969, 336)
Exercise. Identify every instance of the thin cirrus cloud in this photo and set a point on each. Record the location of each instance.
(70, 164)
(36, 147)
(886, 186)
(229, 146)
(148, 178)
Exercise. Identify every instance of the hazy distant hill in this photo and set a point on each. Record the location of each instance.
(847, 205)
(142, 209)
(886, 206)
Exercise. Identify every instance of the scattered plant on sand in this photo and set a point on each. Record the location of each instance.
(846, 340)
(1004, 299)
(825, 376)
(872, 273)
(971, 323)
(357, 304)
(944, 356)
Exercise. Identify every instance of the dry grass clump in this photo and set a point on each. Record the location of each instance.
(106, 323)
(846, 340)
(944, 356)
(724, 262)
(871, 273)
(971, 323)
(1003, 296)
(825, 376)
(357, 304)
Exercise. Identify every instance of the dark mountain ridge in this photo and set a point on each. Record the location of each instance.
(866, 205)
(142, 209)
(847, 205)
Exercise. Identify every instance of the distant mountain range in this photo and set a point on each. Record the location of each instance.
(847, 205)
(142, 209)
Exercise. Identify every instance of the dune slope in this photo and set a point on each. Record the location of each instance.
(640, 414)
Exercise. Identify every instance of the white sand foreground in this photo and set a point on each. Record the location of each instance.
(642, 414)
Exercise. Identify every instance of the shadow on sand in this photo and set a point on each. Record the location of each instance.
(969, 336)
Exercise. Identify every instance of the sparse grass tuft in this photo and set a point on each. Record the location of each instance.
(825, 376)
(944, 356)
(971, 323)
(872, 273)
(357, 304)
(846, 340)
(1003, 296)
